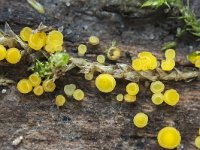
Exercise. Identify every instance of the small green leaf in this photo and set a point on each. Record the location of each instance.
(169, 45)
(154, 3)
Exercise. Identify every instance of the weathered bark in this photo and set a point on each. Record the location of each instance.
(99, 122)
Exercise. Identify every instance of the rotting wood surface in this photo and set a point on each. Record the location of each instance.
(99, 122)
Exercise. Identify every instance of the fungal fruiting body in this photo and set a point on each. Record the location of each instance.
(157, 98)
(101, 59)
(168, 64)
(140, 120)
(24, 86)
(169, 137)
(69, 89)
(2, 52)
(13, 55)
(93, 40)
(145, 61)
(105, 83)
(48, 85)
(119, 97)
(37, 40)
(129, 98)
(132, 88)
(157, 87)
(197, 142)
(25, 33)
(171, 97)
(88, 76)
(78, 95)
(113, 53)
(82, 49)
(38, 90)
(170, 54)
(35, 79)
(194, 58)
(60, 100)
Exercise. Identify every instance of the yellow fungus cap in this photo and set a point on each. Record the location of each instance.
(69, 89)
(170, 54)
(157, 98)
(137, 64)
(105, 83)
(37, 40)
(38, 90)
(157, 87)
(60, 100)
(35, 79)
(132, 88)
(24, 86)
(93, 40)
(25, 33)
(169, 137)
(168, 64)
(140, 120)
(119, 97)
(2, 52)
(13, 55)
(78, 95)
(54, 38)
(197, 142)
(129, 98)
(48, 85)
(171, 97)
(88, 76)
(114, 53)
(101, 59)
(50, 48)
(82, 49)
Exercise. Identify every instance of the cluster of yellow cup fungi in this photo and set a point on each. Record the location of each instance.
(33, 82)
(170, 97)
(169, 63)
(145, 61)
(51, 42)
(12, 55)
(197, 140)
(194, 58)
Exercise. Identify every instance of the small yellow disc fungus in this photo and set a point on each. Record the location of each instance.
(119, 97)
(13, 55)
(157, 98)
(88, 76)
(132, 88)
(101, 59)
(48, 85)
(54, 38)
(140, 120)
(53, 48)
(129, 98)
(170, 54)
(169, 137)
(171, 97)
(168, 64)
(25, 33)
(2, 52)
(35, 79)
(105, 83)
(69, 89)
(82, 49)
(24, 86)
(157, 87)
(137, 64)
(93, 40)
(60, 100)
(78, 95)
(37, 40)
(197, 63)
(38, 90)
(197, 142)
(114, 53)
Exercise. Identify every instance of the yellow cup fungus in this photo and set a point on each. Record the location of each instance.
(129, 98)
(171, 97)
(2, 52)
(13, 55)
(55, 38)
(38, 90)
(60, 100)
(157, 98)
(37, 40)
(170, 54)
(24, 86)
(157, 87)
(93, 40)
(119, 97)
(169, 137)
(113, 53)
(105, 83)
(25, 33)
(101, 59)
(88, 76)
(168, 64)
(145, 61)
(197, 142)
(50, 48)
(48, 85)
(194, 58)
(78, 95)
(132, 88)
(82, 49)
(35, 79)
(69, 89)
(140, 120)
